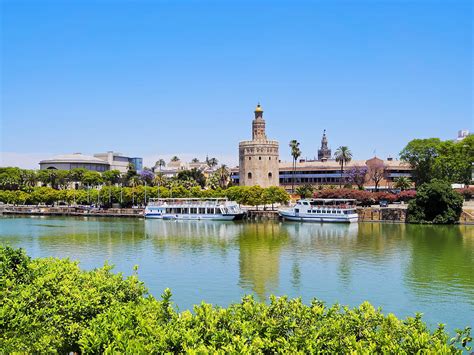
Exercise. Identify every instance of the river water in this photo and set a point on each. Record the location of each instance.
(402, 268)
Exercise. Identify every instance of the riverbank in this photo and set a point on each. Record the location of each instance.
(393, 213)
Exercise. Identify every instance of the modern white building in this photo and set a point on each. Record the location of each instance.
(120, 162)
(74, 161)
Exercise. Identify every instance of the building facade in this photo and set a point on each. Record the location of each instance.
(259, 157)
(120, 162)
(74, 161)
(327, 173)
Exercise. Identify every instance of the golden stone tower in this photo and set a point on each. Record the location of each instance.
(258, 158)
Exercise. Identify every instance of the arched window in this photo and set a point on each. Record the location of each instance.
(259, 158)
(270, 175)
(250, 158)
(249, 175)
(269, 158)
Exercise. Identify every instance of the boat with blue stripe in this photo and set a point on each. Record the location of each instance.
(322, 210)
(220, 209)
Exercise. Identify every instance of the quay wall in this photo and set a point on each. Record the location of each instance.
(366, 214)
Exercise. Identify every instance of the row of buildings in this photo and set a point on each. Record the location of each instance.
(259, 164)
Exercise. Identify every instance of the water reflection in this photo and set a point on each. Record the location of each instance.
(403, 268)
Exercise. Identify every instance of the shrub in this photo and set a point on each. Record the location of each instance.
(50, 305)
(467, 193)
(435, 202)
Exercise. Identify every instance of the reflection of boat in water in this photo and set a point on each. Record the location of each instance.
(193, 208)
(322, 210)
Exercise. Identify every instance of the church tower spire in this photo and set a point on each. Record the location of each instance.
(324, 153)
(258, 124)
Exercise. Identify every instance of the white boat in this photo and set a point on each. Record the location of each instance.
(322, 210)
(193, 208)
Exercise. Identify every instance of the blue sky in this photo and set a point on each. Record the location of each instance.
(158, 78)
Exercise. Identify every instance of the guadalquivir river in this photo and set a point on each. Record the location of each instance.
(402, 268)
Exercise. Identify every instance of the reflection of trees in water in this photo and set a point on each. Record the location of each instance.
(442, 259)
(74, 236)
(192, 236)
(260, 246)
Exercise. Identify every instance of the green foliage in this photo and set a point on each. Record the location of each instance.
(403, 183)
(194, 175)
(305, 191)
(435, 202)
(45, 304)
(50, 305)
(433, 159)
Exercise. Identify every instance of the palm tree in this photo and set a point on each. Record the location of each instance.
(343, 156)
(160, 163)
(134, 182)
(212, 162)
(175, 158)
(295, 153)
(403, 183)
(223, 174)
(195, 160)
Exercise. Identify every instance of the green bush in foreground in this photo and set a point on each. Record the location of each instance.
(50, 305)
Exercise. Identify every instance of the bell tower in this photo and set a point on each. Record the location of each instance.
(324, 153)
(258, 125)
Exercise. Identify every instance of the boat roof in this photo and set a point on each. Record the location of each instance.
(329, 199)
(187, 199)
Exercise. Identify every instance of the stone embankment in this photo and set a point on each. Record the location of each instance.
(395, 214)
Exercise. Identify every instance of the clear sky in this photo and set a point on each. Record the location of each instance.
(159, 78)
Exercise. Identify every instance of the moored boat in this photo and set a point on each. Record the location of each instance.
(322, 210)
(193, 208)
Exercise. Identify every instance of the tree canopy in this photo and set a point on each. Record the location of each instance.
(434, 159)
(435, 202)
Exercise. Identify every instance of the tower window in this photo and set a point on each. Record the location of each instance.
(259, 158)
(270, 175)
(250, 158)
(249, 175)
(269, 158)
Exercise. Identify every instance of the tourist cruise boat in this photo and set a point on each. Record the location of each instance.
(193, 208)
(322, 210)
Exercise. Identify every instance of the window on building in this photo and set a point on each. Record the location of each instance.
(259, 158)
(269, 158)
(249, 175)
(270, 175)
(250, 158)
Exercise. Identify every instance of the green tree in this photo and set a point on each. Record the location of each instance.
(305, 191)
(343, 156)
(160, 163)
(275, 194)
(193, 175)
(175, 158)
(111, 177)
(212, 162)
(435, 202)
(295, 153)
(10, 178)
(92, 178)
(403, 183)
(421, 155)
(454, 161)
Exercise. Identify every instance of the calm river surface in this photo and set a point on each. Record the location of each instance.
(402, 268)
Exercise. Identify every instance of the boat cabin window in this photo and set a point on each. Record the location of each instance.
(202, 210)
(318, 211)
